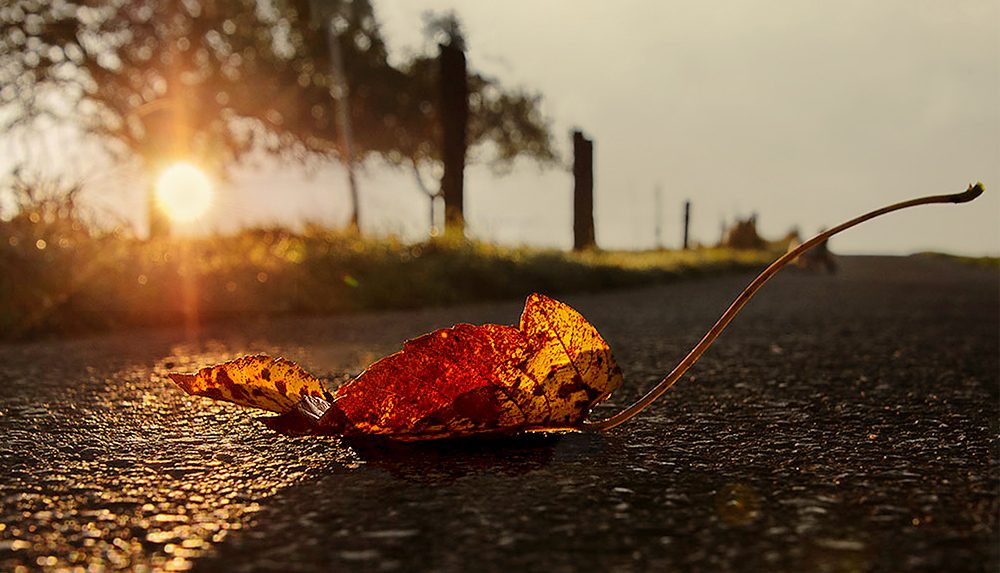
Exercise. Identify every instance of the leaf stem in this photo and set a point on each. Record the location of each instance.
(968, 195)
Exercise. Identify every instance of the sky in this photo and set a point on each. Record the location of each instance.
(804, 114)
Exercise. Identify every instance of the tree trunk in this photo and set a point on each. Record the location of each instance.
(159, 225)
(341, 91)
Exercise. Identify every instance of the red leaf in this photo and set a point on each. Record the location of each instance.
(545, 374)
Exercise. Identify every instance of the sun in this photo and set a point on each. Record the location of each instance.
(184, 192)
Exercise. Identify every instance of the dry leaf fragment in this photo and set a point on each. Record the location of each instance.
(254, 381)
(545, 374)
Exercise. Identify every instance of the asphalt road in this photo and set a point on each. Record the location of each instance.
(843, 423)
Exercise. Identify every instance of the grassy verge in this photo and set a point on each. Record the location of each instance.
(61, 280)
(985, 262)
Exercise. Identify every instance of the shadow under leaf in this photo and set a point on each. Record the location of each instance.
(443, 461)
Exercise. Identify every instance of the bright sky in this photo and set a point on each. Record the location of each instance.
(805, 113)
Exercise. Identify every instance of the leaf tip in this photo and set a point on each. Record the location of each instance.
(184, 380)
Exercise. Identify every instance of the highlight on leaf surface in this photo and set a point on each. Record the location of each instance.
(545, 374)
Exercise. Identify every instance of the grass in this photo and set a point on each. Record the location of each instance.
(984, 262)
(58, 278)
(62, 274)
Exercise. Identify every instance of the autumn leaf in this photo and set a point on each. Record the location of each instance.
(545, 374)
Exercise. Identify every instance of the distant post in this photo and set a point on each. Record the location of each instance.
(687, 222)
(657, 210)
(454, 123)
(583, 192)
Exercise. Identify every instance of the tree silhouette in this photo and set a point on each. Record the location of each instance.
(171, 79)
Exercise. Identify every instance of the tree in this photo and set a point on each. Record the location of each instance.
(166, 79)
(158, 77)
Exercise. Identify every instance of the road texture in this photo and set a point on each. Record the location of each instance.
(843, 423)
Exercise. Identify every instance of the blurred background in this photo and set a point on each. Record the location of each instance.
(289, 119)
(802, 114)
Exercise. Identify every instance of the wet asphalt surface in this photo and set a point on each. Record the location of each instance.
(843, 423)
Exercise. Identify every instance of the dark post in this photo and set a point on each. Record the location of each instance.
(583, 192)
(454, 122)
(687, 222)
(657, 210)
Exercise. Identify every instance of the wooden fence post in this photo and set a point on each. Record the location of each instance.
(687, 222)
(658, 215)
(454, 123)
(583, 192)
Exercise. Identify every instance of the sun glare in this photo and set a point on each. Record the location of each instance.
(184, 192)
